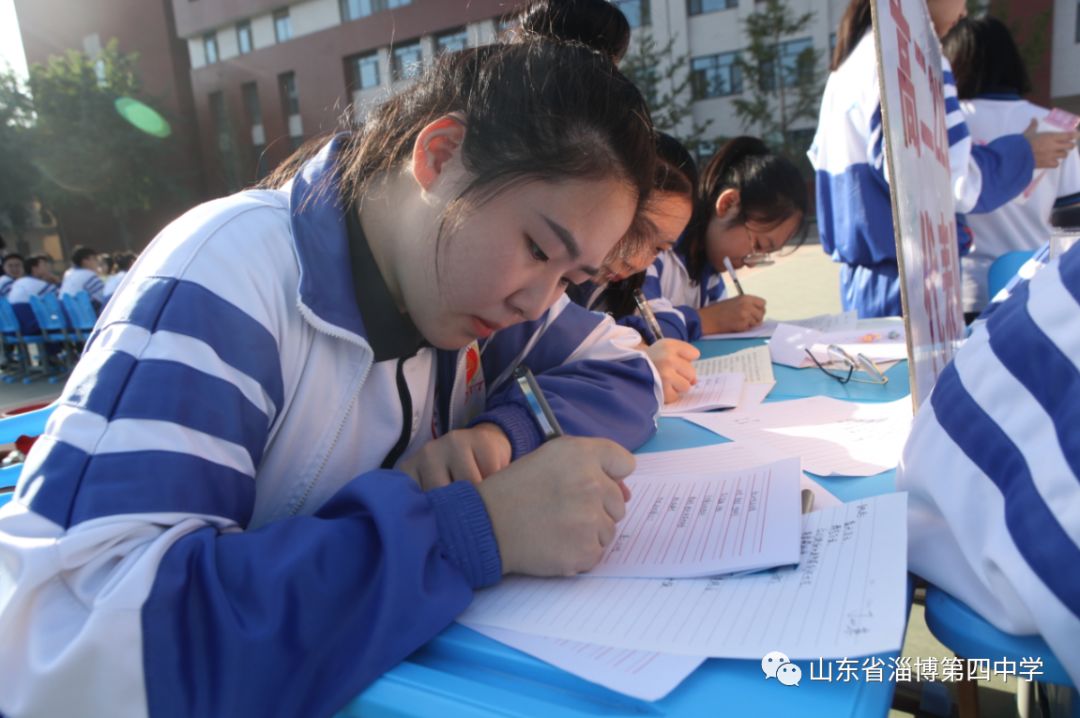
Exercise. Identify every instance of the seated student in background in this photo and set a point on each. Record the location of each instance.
(210, 524)
(13, 269)
(992, 466)
(122, 262)
(38, 281)
(854, 210)
(990, 80)
(83, 276)
(752, 202)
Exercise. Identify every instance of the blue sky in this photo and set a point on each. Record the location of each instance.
(11, 49)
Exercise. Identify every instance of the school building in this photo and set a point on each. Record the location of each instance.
(259, 77)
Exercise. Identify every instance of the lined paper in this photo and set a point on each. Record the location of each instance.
(821, 322)
(646, 675)
(690, 524)
(754, 363)
(715, 391)
(846, 598)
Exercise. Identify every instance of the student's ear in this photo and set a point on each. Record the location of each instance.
(727, 204)
(436, 145)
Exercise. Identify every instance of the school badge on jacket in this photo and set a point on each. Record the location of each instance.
(469, 396)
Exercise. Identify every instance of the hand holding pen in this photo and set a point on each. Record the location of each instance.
(647, 314)
(731, 271)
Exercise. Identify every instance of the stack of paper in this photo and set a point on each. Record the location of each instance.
(644, 636)
(831, 436)
(754, 364)
(713, 391)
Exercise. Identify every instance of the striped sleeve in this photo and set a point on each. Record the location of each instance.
(993, 466)
(95, 287)
(597, 382)
(128, 575)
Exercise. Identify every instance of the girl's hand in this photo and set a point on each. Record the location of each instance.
(554, 511)
(673, 358)
(1049, 148)
(461, 455)
(733, 315)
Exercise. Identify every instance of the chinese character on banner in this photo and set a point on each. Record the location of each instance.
(909, 110)
(978, 669)
(1005, 667)
(930, 298)
(952, 669)
(847, 670)
(927, 668)
(950, 279)
(872, 669)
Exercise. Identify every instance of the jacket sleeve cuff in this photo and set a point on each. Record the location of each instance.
(517, 423)
(466, 534)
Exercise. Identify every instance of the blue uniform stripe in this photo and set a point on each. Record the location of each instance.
(952, 104)
(1033, 527)
(500, 350)
(180, 306)
(958, 133)
(1067, 200)
(562, 338)
(68, 486)
(1040, 365)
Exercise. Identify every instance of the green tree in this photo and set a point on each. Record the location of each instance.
(664, 79)
(18, 176)
(782, 79)
(94, 140)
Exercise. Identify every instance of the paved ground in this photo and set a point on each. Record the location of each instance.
(801, 284)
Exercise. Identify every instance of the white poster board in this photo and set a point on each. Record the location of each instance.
(917, 153)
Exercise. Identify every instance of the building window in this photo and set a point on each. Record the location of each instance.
(408, 61)
(355, 9)
(290, 99)
(243, 37)
(636, 11)
(715, 75)
(699, 7)
(790, 70)
(209, 42)
(362, 71)
(452, 41)
(282, 25)
(251, 103)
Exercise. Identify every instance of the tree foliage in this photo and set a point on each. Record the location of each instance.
(664, 79)
(84, 149)
(781, 88)
(18, 176)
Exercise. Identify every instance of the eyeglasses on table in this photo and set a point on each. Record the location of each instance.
(860, 362)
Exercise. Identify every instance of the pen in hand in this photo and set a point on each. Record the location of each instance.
(647, 315)
(731, 270)
(545, 417)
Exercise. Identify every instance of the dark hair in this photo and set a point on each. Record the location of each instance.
(34, 260)
(532, 110)
(598, 24)
(770, 186)
(122, 261)
(13, 255)
(853, 25)
(81, 254)
(985, 59)
(676, 172)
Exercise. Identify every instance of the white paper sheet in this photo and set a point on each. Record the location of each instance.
(831, 436)
(845, 599)
(754, 363)
(821, 322)
(646, 675)
(715, 391)
(789, 343)
(686, 523)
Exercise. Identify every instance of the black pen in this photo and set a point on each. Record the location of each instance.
(731, 270)
(647, 315)
(545, 417)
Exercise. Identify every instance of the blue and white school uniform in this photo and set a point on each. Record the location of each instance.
(993, 466)
(204, 528)
(77, 279)
(853, 205)
(5, 284)
(1023, 223)
(19, 296)
(112, 284)
(676, 298)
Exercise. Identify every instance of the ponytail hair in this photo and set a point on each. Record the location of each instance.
(532, 110)
(770, 187)
(853, 25)
(597, 24)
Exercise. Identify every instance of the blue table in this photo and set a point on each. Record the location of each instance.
(461, 673)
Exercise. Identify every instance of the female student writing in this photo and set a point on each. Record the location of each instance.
(854, 211)
(752, 202)
(209, 525)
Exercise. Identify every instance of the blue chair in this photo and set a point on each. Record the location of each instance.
(16, 343)
(81, 315)
(970, 636)
(54, 330)
(1005, 268)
